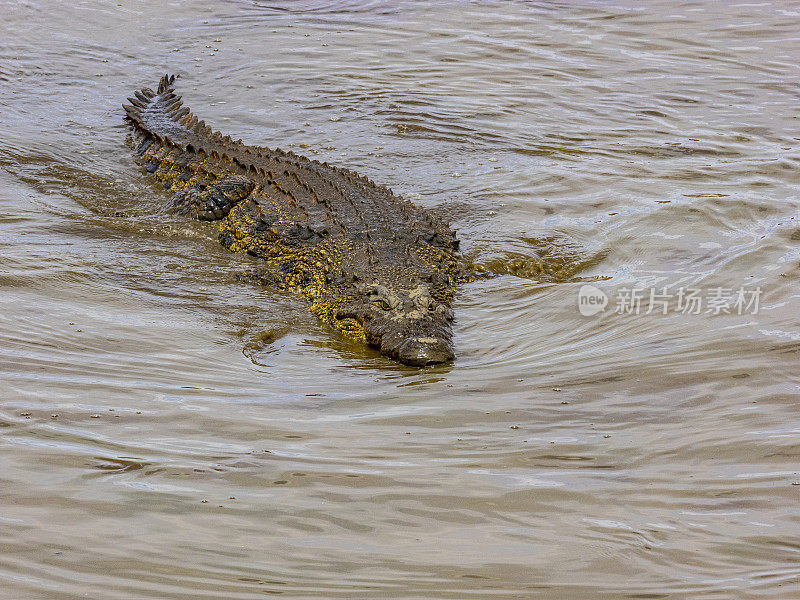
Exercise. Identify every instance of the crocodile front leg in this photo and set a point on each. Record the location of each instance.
(216, 200)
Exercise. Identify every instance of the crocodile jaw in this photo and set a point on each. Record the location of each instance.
(419, 351)
(411, 339)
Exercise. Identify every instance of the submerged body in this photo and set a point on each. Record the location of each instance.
(372, 265)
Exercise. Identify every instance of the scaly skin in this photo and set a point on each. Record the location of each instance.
(371, 264)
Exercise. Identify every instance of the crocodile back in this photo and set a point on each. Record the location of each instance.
(315, 194)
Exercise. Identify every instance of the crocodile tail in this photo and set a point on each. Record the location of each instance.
(142, 99)
(138, 103)
(166, 83)
(161, 114)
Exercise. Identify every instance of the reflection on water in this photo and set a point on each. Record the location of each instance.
(168, 429)
(550, 258)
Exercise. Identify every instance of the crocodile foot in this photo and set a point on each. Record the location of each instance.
(214, 202)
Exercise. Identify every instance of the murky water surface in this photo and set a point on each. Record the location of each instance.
(167, 431)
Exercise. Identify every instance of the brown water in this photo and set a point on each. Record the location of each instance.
(167, 431)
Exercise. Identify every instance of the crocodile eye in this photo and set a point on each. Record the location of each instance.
(382, 304)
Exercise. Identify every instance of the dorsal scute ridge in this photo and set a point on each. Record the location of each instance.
(149, 110)
(166, 81)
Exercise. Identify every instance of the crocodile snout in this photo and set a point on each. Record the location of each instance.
(424, 351)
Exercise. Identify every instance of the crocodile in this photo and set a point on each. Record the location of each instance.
(370, 263)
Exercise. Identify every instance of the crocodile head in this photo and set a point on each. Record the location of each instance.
(407, 318)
